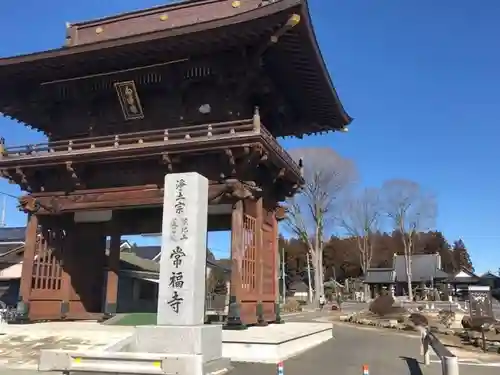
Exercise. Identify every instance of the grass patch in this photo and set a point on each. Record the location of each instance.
(133, 319)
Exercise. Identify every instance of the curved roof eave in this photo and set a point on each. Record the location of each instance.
(321, 62)
(260, 12)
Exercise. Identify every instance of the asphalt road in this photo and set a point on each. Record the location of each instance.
(385, 352)
(348, 352)
(352, 347)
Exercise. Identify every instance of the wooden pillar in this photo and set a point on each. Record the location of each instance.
(277, 259)
(276, 271)
(113, 271)
(234, 317)
(258, 213)
(28, 258)
(67, 245)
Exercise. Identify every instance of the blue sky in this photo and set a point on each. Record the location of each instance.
(419, 77)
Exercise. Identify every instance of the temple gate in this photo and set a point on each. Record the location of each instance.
(203, 86)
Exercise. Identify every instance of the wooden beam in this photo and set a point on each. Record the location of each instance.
(148, 195)
(126, 197)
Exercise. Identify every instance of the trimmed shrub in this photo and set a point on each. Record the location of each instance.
(382, 305)
(291, 306)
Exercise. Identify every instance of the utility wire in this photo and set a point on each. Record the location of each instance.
(9, 195)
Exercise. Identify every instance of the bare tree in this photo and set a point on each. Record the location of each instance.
(327, 176)
(411, 210)
(360, 219)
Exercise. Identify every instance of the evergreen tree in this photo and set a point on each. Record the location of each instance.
(461, 256)
(434, 242)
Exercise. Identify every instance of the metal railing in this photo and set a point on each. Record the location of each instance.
(449, 361)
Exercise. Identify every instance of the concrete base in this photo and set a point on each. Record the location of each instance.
(274, 343)
(97, 362)
(205, 340)
(183, 350)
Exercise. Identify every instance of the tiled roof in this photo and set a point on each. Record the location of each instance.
(11, 234)
(424, 267)
(380, 276)
(134, 259)
(6, 248)
(13, 256)
(131, 260)
(441, 275)
(108, 243)
(468, 278)
(489, 275)
(298, 286)
(146, 252)
(219, 264)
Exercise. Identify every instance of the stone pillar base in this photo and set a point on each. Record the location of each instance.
(234, 322)
(259, 312)
(201, 345)
(278, 319)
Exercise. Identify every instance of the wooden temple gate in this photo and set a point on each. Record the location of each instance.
(68, 275)
(116, 126)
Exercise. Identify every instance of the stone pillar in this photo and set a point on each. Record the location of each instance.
(181, 295)
(180, 329)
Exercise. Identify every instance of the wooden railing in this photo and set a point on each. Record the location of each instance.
(140, 140)
(186, 133)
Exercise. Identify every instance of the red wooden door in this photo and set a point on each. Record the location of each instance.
(46, 291)
(248, 291)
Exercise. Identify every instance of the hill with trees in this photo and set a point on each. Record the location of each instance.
(341, 256)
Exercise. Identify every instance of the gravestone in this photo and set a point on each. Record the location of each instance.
(180, 329)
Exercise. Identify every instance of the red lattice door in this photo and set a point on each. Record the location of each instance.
(47, 278)
(248, 291)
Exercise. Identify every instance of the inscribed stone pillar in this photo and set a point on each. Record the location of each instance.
(180, 331)
(181, 295)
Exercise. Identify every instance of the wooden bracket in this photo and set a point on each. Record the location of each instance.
(166, 160)
(235, 189)
(23, 180)
(28, 204)
(71, 169)
(231, 160)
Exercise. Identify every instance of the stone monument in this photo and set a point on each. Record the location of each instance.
(180, 328)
